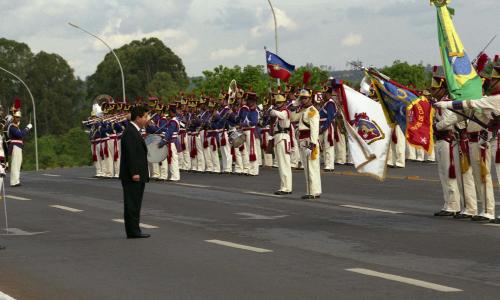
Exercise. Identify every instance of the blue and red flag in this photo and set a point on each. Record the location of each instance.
(277, 67)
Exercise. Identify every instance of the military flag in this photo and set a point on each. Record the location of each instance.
(407, 108)
(462, 80)
(277, 67)
(368, 132)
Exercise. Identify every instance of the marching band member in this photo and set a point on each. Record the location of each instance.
(327, 116)
(16, 144)
(241, 157)
(308, 125)
(170, 166)
(266, 137)
(222, 126)
(249, 123)
(153, 128)
(212, 134)
(281, 138)
(183, 117)
(204, 117)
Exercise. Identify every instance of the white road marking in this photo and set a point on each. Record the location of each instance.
(17, 198)
(147, 226)
(372, 209)
(238, 246)
(66, 208)
(5, 297)
(192, 185)
(17, 231)
(251, 216)
(493, 225)
(410, 281)
(51, 175)
(262, 194)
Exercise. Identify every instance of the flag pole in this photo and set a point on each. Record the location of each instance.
(275, 32)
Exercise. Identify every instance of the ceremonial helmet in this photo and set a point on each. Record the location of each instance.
(437, 80)
(304, 93)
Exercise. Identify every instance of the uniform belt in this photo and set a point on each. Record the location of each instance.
(16, 141)
(304, 134)
(248, 128)
(474, 137)
(443, 135)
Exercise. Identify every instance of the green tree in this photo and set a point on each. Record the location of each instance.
(141, 62)
(410, 75)
(14, 56)
(58, 94)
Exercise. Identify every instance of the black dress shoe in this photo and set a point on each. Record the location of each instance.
(138, 236)
(309, 197)
(16, 185)
(462, 216)
(444, 213)
(495, 221)
(282, 193)
(480, 219)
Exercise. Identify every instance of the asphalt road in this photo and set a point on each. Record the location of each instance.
(228, 237)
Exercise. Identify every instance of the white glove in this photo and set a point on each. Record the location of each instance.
(443, 104)
(29, 126)
(8, 119)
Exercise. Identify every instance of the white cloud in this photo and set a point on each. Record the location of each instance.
(222, 54)
(352, 39)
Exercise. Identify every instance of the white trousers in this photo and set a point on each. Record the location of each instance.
(227, 158)
(197, 162)
(340, 149)
(451, 190)
(396, 155)
(241, 160)
(295, 154)
(253, 166)
(484, 186)
(107, 162)
(328, 152)
(15, 165)
(171, 171)
(284, 166)
(312, 171)
(493, 147)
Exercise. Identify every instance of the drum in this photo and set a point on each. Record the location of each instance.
(236, 138)
(155, 154)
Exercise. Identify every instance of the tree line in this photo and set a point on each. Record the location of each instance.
(151, 68)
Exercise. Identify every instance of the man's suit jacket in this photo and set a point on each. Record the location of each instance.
(133, 160)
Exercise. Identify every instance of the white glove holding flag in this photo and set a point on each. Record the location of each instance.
(443, 104)
(29, 126)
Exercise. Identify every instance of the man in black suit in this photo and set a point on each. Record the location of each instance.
(134, 171)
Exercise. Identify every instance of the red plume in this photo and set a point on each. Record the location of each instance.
(481, 62)
(306, 77)
(17, 104)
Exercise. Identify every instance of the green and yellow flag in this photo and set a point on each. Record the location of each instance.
(461, 78)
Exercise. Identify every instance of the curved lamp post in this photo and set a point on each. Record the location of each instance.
(112, 51)
(275, 30)
(34, 112)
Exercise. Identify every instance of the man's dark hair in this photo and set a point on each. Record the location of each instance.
(137, 112)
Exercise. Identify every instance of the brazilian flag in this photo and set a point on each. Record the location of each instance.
(461, 78)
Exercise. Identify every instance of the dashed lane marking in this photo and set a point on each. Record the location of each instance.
(90, 178)
(239, 246)
(372, 209)
(147, 226)
(51, 175)
(192, 185)
(262, 194)
(407, 280)
(5, 296)
(252, 216)
(66, 208)
(17, 198)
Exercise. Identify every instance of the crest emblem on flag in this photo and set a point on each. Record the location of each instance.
(367, 129)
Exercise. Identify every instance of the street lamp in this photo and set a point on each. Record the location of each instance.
(34, 112)
(112, 51)
(275, 30)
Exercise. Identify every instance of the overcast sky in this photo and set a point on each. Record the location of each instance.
(207, 33)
